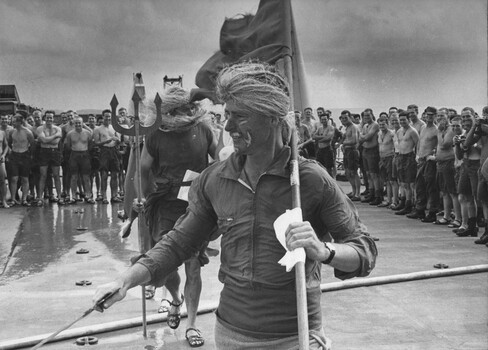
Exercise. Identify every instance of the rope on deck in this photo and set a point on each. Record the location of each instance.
(158, 318)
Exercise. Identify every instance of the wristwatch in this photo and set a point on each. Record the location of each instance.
(332, 252)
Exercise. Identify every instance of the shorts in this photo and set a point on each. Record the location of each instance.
(109, 159)
(20, 164)
(446, 176)
(371, 160)
(351, 159)
(49, 157)
(325, 156)
(95, 158)
(79, 162)
(394, 167)
(468, 177)
(386, 168)
(407, 167)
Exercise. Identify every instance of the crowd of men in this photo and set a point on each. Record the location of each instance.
(427, 167)
(38, 156)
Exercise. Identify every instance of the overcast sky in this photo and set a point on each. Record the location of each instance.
(74, 54)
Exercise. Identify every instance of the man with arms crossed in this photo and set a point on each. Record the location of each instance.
(406, 165)
(244, 195)
(323, 137)
(49, 136)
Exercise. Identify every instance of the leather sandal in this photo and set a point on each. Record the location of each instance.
(194, 340)
(174, 319)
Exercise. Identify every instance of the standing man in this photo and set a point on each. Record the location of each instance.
(182, 144)
(413, 115)
(350, 145)
(21, 142)
(49, 136)
(406, 165)
(107, 139)
(371, 157)
(94, 159)
(312, 127)
(427, 193)
(244, 195)
(323, 137)
(304, 137)
(387, 152)
(78, 144)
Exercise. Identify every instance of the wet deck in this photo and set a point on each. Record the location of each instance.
(38, 293)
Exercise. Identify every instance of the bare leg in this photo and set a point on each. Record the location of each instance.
(57, 180)
(13, 188)
(193, 288)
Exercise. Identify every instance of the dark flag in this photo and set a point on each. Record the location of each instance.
(268, 36)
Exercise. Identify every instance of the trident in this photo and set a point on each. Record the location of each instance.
(137, 130)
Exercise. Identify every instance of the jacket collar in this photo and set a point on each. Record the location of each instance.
(234, 165)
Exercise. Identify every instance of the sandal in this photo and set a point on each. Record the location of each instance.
(25, 204)
(163, 307)
(194, 340)
(441, 221)
(454, 224)
(40, 203)
(105, 201)
(174, 319)
(149, 292)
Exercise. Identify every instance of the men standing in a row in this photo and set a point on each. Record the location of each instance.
(406, 164)
(371, 157)
(427, 194)
(350, 144)
(107, 139)
(78, 143)
(21, 142)
(49, 136)
(323, 137)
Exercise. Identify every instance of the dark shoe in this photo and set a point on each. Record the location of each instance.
(195, 340)
(481, 222)
(430, 218)
(483, 239)
(355, 199)
(466, 232)
(399, 206)
(406, 210)
(116, 199)
(367, 199)
(416, 214)
(459, 229)
(384, 205)
(365, 193)
(376, 201)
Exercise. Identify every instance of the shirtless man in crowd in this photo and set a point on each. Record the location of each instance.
(323, 137)
(427, 193)
(49, 136)
(107, 139)
(445, 168)
(21, 142)
(407, 166)
(350, 143)
(387, 152)
(78, 143)
(371, 157)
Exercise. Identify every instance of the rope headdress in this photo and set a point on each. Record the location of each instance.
(257, 89)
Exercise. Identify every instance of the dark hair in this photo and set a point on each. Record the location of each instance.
(346, 112)
(413, 107)
(91, 115)
(308, 108)
(106, 111)
(49, 111)
(321, 108)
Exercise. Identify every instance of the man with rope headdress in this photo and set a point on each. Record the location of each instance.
(244, 195)
(182, 143)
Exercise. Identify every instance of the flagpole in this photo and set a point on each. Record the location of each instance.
(300, 285)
